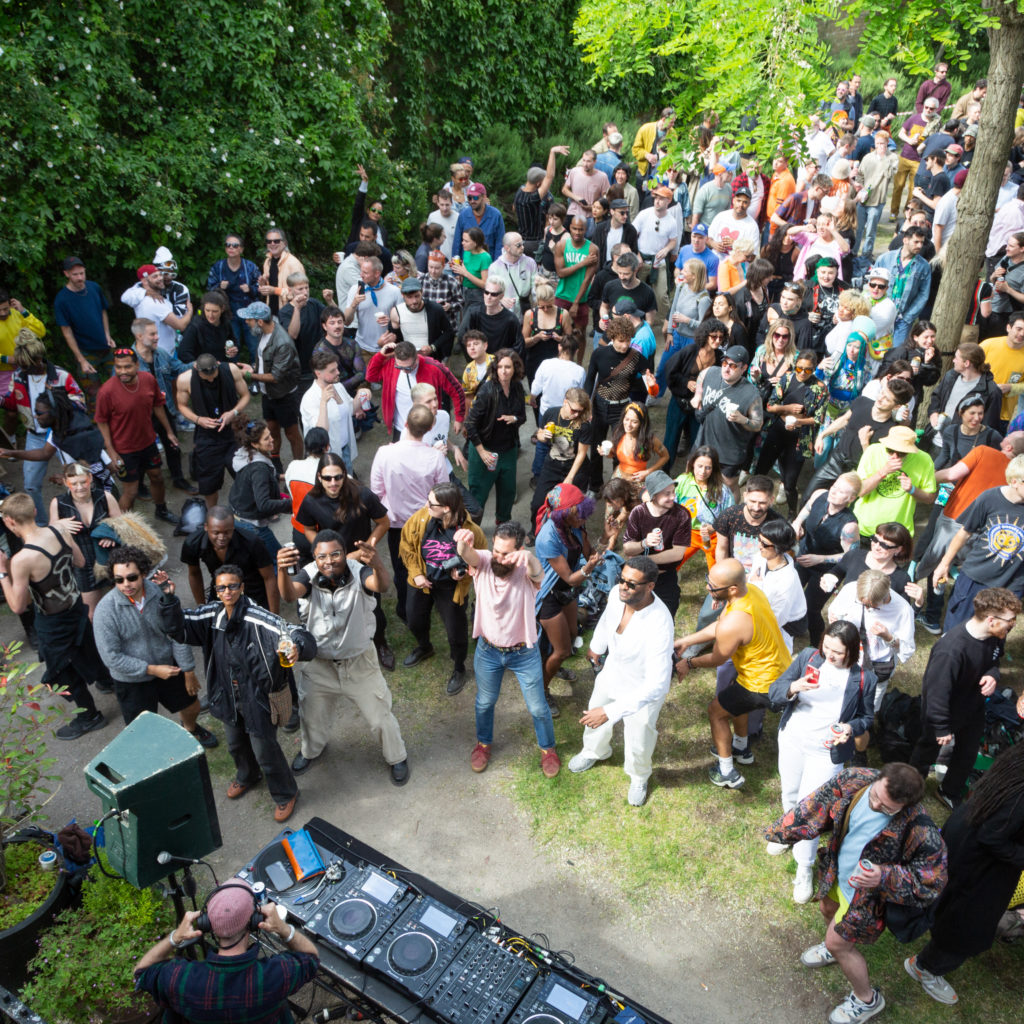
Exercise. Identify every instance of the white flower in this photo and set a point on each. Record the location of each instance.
(212, 131)
(291, 28)
(88, 67)
(49, 163)
(142, 213)
(277, 142)
(168, 228)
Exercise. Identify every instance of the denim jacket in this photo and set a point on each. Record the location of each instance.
(915, 292)
(165, 367)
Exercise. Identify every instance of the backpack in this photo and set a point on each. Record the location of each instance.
(897, 725)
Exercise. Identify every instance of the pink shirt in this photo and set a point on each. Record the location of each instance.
(505, 613)
(587, 186)
(403, 475)
(811, 245)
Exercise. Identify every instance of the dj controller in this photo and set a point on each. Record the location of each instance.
(405, 945)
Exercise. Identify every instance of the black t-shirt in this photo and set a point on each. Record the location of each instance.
(642, 295)
(995, 553)
(310, 331)
(732, 524)
(855, 561)
(318, 513)
(244, 549)
(437, 547)
(848, 447)
(501, 331)
(822, 532)
(567, 436)
(950, 695)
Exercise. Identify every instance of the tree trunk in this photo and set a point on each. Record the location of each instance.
(978, 200)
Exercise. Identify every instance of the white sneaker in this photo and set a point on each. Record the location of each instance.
(852, 1009)
(581, 763)
(936, 986)
(803, 884)
(817, 956)
(776, 849)
(637, 793)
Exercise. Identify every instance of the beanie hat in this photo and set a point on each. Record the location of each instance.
(231, 908)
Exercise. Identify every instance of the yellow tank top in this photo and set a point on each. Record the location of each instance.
(765, 658)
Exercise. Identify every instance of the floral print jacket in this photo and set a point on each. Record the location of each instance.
(910, 851)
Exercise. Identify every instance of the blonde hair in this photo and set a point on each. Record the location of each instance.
(76, 469)
(29, 349)
(855, 302)
(543, 292)
(853, 480)
(873, 586)
(19, 507)
(421, 390)
(700, 273)
(1015, 470)
(745, 245)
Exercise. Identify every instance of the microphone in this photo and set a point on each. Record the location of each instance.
(163, 857)
(331, 1013)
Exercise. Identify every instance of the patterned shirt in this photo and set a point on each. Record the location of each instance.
(445, 288)
(234, 989)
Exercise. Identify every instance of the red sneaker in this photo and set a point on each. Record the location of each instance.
(479, 758)
(550, 763)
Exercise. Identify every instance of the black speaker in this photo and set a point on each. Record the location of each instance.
(156, 776)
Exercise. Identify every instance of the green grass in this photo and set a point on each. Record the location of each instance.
(704, 846)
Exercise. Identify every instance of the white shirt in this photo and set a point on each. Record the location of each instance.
(638, 669)
(346, 276)
(1008, 219)
(553, 378)
(383, 299)
(414, 325)
(448, 223)
(437, 436)
(726, 228)
(146, 306)
(815, 710)
(403, 396)
(945, 214)
(784, 591)
(654, 232)
(897, 616)
(612, 240)
(883, 314)
(339, 418)
(36, 386)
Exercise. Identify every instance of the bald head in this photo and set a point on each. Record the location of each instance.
(728, 573)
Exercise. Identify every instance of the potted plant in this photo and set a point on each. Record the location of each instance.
(29, 896)
(83, 970)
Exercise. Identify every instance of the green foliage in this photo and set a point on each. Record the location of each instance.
(26, 773)
(26, 885)
(84, 964)
(135, 130)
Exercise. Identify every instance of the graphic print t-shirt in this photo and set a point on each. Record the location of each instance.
(995, 555)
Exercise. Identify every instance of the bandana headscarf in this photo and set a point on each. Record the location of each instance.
(560, 499)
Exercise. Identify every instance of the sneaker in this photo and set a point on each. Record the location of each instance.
(582, 763)
(947, 800)
(80, 725)
(859, 759)
(803, 884)
(817, 956)
(739, 756)
(932, 627)
(733, 780)
(776, 849)
(205, 737)
(567, 674)
(553, 707)
(852, 1009)
(479, 758)
(282, 812)
(637, 795)
(164, 513)
(936, 986)
(550, 763)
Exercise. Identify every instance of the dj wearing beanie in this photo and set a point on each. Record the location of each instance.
(233, 984)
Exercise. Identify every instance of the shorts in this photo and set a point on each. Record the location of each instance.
(209, 461)
(553, 603)
(738, 700)
(137, 463)
(134, 698)
(284, 410)
(733, 471)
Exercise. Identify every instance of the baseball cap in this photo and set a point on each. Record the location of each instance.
(719, 169)
(878, 274)
(841, 170)
(954, 148)
(620, 204)
(972, 130)
(254, 311)
(738, 354)
(476, 189)
(411, 284)
(868, 121)
(700, 229)
(657, 482)
(664, 191)
(627, 307)
(960, 178)
(742, 191)
(231, 908)
(70, 262)
(144, 270)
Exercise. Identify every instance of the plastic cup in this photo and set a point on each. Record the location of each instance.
(605, 447)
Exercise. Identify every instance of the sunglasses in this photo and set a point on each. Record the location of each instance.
(274, 241)
(884, 544)
(783, 334)
(332, 477)
(630, 584)
(875, 285)
(804, 370)
(132, 577)
(232, 245)
(496, 294)
(712, 587)
(221, 587)
(120, 353)
(893, 451)
(376, 209)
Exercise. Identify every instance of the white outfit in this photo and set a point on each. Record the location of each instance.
(633, 684)
(339, 420)
(414, 326)
(650, 240)
(346, 276)
(553, 378)
(805, 763)
(155, 310)
(448, 223)
(726, 228)
(437, 436)
(835, 340)
(784, 591)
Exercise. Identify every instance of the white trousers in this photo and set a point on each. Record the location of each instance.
(322, 682)
(801, 773)
(639, 734)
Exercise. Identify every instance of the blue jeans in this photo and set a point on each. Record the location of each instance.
(489, 666)
(867, 226)
(900, 331)
(676, 421)
(35, 474)
(540, 453)
(677, 342)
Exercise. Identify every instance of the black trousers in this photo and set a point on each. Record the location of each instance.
(456, 623)
(171, 454)
(781, 445)
(399, 571)
(255, 754)
(605, 415)
(968, 738)
(810, 577)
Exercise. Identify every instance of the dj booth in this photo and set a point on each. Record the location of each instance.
(396, 946)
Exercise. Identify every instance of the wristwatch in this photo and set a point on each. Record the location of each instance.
(4, 575)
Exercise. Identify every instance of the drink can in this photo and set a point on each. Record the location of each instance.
(864, 865)
(813, 675)
(835, 734)
(659, 542)
(292, 569)
(365, 399)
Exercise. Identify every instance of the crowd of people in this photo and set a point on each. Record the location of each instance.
(753, 311)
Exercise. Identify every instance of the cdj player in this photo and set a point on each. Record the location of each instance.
(273, 868)
(419, 947)
(554, 1001)
(482, 985)
(354, 915)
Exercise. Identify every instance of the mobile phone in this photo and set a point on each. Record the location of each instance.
(362, 287)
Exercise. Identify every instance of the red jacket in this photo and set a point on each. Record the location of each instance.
(428, 371)
(17, 399)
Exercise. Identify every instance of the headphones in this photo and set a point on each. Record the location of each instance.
(202, 922)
